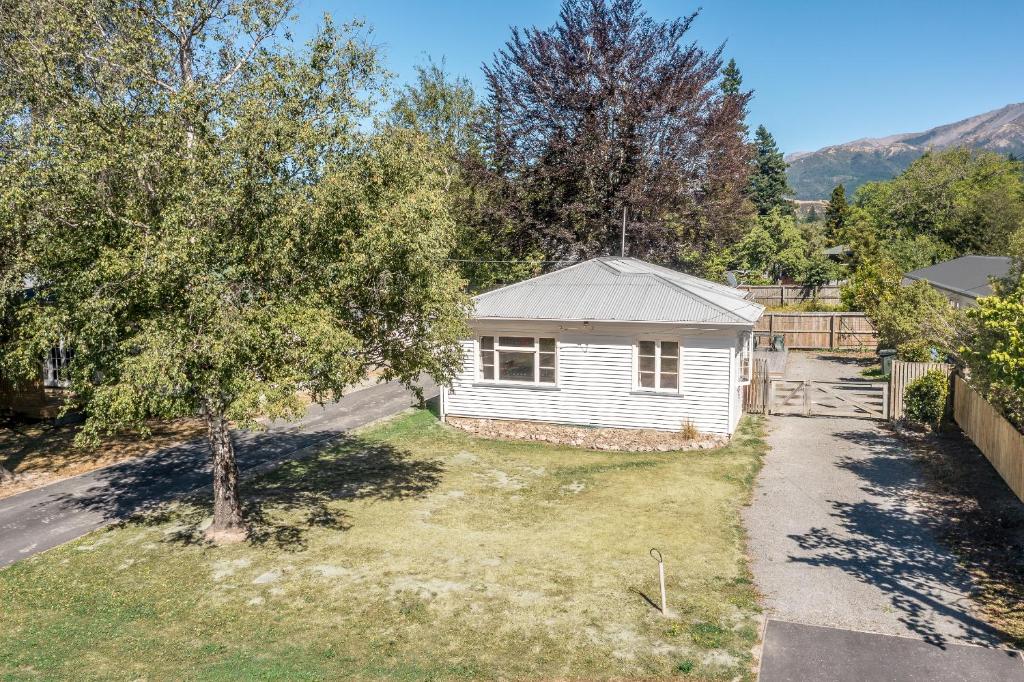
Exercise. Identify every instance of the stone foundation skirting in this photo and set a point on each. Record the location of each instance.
(594, 438)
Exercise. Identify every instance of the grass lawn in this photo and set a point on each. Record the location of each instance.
(413, 551)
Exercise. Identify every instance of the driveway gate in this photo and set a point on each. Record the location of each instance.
(828, 398)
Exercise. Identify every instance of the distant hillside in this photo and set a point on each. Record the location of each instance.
(813, 174)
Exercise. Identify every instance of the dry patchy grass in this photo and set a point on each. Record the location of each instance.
(41, 453)
(413, 551)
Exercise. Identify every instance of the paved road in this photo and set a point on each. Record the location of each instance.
(797, 653)
(39, 519)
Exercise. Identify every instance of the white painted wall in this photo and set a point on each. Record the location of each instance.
(596, 379)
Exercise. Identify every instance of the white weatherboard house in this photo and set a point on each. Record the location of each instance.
(610, 342)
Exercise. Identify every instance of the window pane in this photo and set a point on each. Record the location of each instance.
(547, 360)
(670, 349)
(487, 364)
(515, 341)
(669, 364)
(647, 379)
(547, 376)
(646, 348)
(487, 342)
(515, 366)
(547, 345)
(646, 363)
(669, 380)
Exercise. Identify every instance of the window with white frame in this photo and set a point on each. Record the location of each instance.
(657, 364)
(520, 359)
(56, 371)
(746, 357)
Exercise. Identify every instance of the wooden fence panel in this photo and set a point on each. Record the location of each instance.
(787, 294)
(755, 394)
(902, 374)
(1000, 442)
(819, 330)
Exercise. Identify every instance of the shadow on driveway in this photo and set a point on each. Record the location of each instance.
(889, 542)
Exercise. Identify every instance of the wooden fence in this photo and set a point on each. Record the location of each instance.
(787, 294)
(819, 330)
(902, 374)
(755, 394)
(1000, 442)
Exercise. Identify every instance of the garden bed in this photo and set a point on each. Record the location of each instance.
(592, 438)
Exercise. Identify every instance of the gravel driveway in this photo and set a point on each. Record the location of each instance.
(836, 538)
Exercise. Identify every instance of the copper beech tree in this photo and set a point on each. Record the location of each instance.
(211, 225)
(610, 113)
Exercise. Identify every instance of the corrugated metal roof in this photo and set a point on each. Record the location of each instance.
(968, 275)
(619, 290)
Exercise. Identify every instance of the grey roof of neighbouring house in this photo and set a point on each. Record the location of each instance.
(967, 275)
(615, 289)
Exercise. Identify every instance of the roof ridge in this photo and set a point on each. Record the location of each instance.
(534, 278)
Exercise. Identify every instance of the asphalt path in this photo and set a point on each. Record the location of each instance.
(36, 520)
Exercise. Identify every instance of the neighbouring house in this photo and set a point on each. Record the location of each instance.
(962, 280)
(609, 342)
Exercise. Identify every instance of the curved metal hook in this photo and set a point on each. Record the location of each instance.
(658, 553)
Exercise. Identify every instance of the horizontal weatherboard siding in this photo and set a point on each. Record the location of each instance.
(595, 386)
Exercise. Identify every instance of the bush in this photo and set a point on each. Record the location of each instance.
(925, 398)
(915, 351)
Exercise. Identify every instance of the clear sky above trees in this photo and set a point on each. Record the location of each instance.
(823, 73)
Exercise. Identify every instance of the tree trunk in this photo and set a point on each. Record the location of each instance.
(228, 525)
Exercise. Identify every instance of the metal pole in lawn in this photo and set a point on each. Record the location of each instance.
(656, 554)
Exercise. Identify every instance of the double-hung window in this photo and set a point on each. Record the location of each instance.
(519, 359)
(657, 365)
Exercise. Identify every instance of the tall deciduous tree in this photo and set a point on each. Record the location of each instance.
(769, 185)
(212, 231)
(609, 114)
(971, 201)
(445, 109)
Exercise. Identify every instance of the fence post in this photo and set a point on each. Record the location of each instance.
(832, 332)
(807, 398)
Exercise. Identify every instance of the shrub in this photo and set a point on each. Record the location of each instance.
(925, 398)
(915, 351)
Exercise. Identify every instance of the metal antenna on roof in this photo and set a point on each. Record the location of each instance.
(622, 250)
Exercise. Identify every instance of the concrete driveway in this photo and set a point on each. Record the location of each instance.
(836, 538)
(39, 519)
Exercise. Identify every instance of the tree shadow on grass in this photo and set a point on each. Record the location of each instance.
(890, 542)
(306, 474)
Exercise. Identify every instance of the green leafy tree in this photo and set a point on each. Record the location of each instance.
(836, 213)
(446, 111)
(994, 351)
(211, 227)
(769, 185)
(971, 201)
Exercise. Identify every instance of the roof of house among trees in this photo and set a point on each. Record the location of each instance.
(616, 289)
(967, 275)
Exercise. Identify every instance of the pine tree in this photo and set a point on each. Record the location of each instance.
(835, 214)
(768, 183)
(732, 80)
(812, 215)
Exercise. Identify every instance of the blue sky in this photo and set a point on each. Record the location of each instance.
(824, 72)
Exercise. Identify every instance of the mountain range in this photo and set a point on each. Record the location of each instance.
(813, 174)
